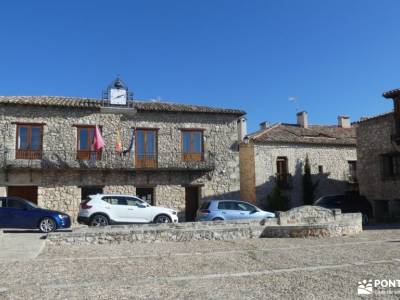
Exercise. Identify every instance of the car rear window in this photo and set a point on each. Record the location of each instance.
(205, 205)
(227, 205)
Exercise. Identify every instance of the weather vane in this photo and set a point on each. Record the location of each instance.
(295, 100)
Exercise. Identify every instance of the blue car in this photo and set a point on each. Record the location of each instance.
(215, 210)
(20, 213)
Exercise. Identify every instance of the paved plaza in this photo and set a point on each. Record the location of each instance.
(244, 269)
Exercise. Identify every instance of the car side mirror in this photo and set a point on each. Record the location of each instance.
(253, 211)
(142, 205)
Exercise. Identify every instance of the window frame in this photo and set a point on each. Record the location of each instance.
(86, 154)
(393, 161)
(146, 160)
(192, 155)
(28, 153)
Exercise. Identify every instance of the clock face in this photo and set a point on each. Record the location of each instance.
(118, 96)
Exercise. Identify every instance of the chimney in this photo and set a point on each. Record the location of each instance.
(302, 119)
(344, 121)
(242, 128)
(395, 96)
(264, 125)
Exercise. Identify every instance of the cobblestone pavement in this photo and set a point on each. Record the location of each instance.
(244, 269)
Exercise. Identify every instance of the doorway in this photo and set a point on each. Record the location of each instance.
(90, 190)
(27, 192)
(146, 194)
(192, 194)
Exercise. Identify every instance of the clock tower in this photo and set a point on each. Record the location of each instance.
(117, 94)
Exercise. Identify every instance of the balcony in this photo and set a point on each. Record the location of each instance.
(104, 160)
(284, 181)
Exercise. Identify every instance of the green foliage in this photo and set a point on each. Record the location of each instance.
(276, 201)
(308, 186)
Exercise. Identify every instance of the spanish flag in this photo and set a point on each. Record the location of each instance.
(118, 143)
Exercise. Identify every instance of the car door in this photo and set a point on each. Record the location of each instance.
(138, 211)
(3, 211)
(248, 211)
(17, 214)
(117, 208)
(227, 209)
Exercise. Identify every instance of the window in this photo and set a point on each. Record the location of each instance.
(146, 148)
(282, 175)
(85, 144)
(134, 202)
(29, 141)
(227, 205)
(113, 200)
(192, 145)
(321, 169)
(146, 194)
(245, 206)
(391, 165)
(352, 170)
(16, 203)
(2, 202)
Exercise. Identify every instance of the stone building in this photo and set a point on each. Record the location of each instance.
(275, 156)
(180, 154)
(378, 151)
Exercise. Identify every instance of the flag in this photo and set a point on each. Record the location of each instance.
(98, 139)
(130, 143)
(118, 143)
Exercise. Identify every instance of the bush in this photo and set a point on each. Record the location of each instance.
(308, 186)
(276, 201)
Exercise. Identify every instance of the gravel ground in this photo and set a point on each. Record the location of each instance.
(244, 269)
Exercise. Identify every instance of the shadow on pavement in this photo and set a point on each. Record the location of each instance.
(30, 231)
(382, 226)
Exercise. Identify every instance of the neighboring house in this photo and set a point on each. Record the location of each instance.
(180, 154)
(378, 151)
(275, 156)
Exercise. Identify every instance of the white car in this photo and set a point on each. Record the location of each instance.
(106, 209)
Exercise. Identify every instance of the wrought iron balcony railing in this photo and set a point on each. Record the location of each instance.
(63, 159)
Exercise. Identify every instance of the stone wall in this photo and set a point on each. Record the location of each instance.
(334, 160)
(306, 221)
(373, 140)
(60, 135)
(61, 198)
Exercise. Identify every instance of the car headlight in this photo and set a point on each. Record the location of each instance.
(173, 212)
(63, 216)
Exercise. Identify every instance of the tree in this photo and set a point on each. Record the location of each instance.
(276, 201)
(308, 186)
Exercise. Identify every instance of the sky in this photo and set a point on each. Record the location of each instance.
(336, 57)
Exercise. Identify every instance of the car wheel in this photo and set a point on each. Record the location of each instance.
(365, 219)
(47, 225)
(217, 219)
(162, 219)
(99, 220)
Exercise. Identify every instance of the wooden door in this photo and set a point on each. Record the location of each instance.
(27, 192)
(191, 202)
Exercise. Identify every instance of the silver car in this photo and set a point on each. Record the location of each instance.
(214, 210)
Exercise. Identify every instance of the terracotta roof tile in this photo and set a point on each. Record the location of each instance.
(95, 103)
(314, 134)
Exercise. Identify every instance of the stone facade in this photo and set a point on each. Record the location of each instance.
(60, 177)
(374, 139)
(333, 159)
(328, 148)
